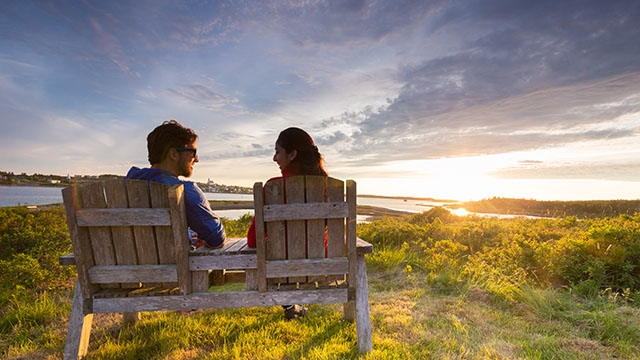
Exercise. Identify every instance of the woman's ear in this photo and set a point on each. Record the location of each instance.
(293, 154)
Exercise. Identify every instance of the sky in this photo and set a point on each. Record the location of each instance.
(446, 99)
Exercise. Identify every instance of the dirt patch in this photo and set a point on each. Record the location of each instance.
(479, 296)
(580, 344)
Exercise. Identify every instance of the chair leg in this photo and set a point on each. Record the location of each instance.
(79, 329)
(349, 311)
(251, 279)
(130, 318)
(200, 281)
(363, 320)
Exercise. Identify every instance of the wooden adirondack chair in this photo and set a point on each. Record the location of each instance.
(132, 253)
(305, 249)
(129, 239)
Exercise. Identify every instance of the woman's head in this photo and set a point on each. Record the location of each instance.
(296, 153)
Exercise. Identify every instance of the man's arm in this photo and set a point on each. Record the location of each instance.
(201, 218)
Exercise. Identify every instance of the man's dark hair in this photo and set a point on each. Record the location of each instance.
(166, 136)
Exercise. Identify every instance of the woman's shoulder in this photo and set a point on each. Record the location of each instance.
(274, 179)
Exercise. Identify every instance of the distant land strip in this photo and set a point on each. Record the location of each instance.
(407, 198)
(579, 208)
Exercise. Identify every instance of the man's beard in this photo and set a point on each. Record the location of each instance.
(184, 169)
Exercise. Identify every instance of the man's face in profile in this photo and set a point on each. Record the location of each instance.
(187, 160)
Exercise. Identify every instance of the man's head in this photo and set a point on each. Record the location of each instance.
(173, 147)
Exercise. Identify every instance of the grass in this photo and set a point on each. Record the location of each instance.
(419, 309)
(412, 318)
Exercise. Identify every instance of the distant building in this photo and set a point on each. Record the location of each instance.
(53, 181)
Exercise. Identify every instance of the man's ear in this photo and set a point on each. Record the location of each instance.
(293, 154)
(173, 154)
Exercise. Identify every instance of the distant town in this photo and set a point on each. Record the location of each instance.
(23, 179)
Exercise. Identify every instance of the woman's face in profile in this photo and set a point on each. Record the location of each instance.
(282, 157)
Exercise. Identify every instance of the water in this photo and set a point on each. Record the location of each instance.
(44, 195)
(29, 195)
(414, 206)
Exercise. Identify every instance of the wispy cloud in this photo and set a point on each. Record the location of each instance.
(610, 170)
(373, 81)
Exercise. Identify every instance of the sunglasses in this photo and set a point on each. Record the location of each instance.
(192, 150)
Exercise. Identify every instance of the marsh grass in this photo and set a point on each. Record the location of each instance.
(429, 299)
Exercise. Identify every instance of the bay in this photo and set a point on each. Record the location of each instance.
(45, 195)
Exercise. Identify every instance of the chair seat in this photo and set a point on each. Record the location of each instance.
(319, 285)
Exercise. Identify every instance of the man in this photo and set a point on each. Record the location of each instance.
(172, 153)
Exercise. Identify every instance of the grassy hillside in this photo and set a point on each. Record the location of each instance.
(582, 209)
(441, 287)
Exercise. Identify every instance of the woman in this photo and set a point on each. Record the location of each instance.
(296, 154)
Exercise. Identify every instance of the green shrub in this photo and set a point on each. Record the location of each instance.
(239, 227)
(502, 255)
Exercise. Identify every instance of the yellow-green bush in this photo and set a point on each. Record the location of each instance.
(503, 254)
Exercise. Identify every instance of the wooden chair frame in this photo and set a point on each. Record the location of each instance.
(109, 221)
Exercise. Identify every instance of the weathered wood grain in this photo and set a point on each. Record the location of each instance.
(296, 229)
(363, 319)
(276, 244)
(180, 233)
(123, 241)
(335, 227)
(328, 210)
(200, 281)
(307, 267)
(221, 262)
(351, 231)
(80, 241)
(159, 196)
(132, 273)
(218, 300)
(316, 229)
(124, 217)
(234, 245)
(138, 195)
(258, 201)
(79, 329)
(101, 243)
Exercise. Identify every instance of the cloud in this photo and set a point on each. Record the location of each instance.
(615, 170)
(520, 73)
(203, 94)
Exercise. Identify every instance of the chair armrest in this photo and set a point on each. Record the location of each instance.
(363, 247)
(66, 260)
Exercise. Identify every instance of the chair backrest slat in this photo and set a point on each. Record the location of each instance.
(276, 246)
(101, 243)
(296, 231)
(316, 191)
(164, 236)
(123, 241)
(180, 238)
(335, 227)
(138, 194)
(80, 241)
(351, 232)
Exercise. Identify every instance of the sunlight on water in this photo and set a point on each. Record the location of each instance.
(460, 212)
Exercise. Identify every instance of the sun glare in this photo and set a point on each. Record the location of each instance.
(457, 178)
